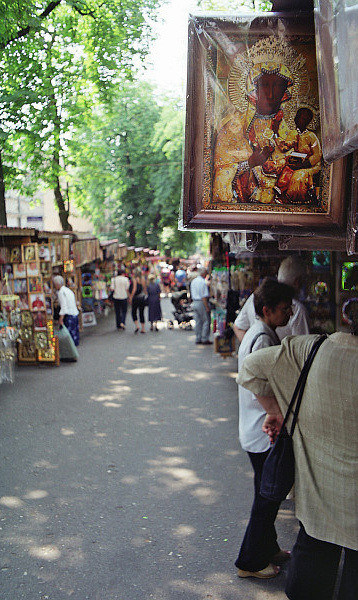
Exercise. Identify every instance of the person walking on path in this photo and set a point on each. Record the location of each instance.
(68, 308)
(137, 298)
(324, 560)
(199, 292)
(292, 272)
(120, 287)
(154, 308)
(260, 553)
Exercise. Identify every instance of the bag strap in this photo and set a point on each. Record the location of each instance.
(256, 338)
(300, 386)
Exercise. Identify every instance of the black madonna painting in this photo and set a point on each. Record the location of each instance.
(256, 159)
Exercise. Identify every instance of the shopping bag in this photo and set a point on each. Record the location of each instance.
(68, 350)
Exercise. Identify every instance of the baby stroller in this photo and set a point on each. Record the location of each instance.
(182, 312)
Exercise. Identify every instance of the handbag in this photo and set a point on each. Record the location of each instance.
(278, 473)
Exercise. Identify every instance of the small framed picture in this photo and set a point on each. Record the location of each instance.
(33, 269)
(26, 334)
(49, 305)
(27, 352)
(89, 319)
(37, 301)
(20, 271)
(6, 287)
(44, 252)
(35, 284)
(23, 301)
(40, 320)
(29, 253)
(15, 254)
(26, 319)
(47, 286)
(45, 268)
(20, 286)
(41, 340)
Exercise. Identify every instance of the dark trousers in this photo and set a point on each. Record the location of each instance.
(260, 541)
(120, 307)
(138, 305)
(315, 572)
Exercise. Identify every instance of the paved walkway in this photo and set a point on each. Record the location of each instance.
(122, 476)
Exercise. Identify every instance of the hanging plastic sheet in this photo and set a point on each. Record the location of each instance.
(336, 23)
(253, 158)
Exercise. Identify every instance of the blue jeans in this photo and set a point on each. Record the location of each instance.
(202, 321)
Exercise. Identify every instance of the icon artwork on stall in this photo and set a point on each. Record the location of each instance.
(45, 268)
(41, 340)
(27, 352)
(49, 305)
(35, 284)
(26, 318)
(39, 320)
(20, 271)
(20, 286)
(37, 301)
(15, 254)
(44, 252)
(29, 253)
(23, 301)
(33, 269)
(256, 153)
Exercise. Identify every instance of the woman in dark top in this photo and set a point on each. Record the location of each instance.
(137, 296)
(155, 311)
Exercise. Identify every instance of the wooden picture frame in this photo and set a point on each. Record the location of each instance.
(239, 150)
(45, 268)
(29, 253)
(15, 254)
(19, 271)
(37, 301)
(27, 353)
(33, 269)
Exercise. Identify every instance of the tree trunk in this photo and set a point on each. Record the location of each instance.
(63, 213)
(131, 235)
(3, 219)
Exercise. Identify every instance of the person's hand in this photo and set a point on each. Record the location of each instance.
(259, 156)
(272, 425)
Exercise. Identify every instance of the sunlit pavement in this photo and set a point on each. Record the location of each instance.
(122, 476)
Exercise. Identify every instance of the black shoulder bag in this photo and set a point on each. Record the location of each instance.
(278, 472)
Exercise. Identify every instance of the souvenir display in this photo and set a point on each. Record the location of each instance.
(350, 276)
(46, 269)
(35, 284)
(49, 305)
(40, 339)
(29, 253)
(44, 252)
(20, 271)
(15, 254)
(26, 318)
(23, 301)
(27, 352)
(37, 301)
(33, 269)
(40, 321)
(254, 161)
(20, 286)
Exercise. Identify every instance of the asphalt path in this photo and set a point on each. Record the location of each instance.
(122, 475)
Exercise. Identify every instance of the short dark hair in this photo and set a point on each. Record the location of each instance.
(270, 293)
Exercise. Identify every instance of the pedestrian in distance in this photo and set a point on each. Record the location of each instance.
(69, 312)
(260, 553)
(137, 298)
(120, 288)
(324, 562)
(199, 292)
(154, 308)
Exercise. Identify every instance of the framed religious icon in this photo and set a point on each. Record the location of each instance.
(27, 352)
(20, 286)
(26, 318)
(48, 286)
(29, 253)
(23, 301)
(41, 340)
(37, 301)
(253, 158)
(19, 271)
(44, 252)
(33, 269)
(15, 254)
(39, 320)
(35, 284)
(49, 305)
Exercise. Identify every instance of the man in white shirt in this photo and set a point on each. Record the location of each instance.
(120, 287)
(199, 293)
(292, 271)
(68, 308)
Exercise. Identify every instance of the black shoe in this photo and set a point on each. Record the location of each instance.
(207, 343)
(198, 342)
